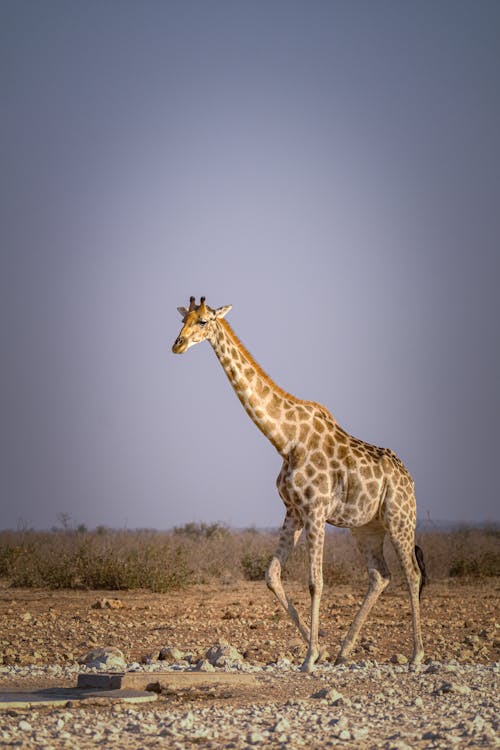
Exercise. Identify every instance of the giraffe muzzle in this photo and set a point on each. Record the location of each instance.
(180, 345)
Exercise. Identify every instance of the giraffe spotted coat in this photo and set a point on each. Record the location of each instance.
(327, 476)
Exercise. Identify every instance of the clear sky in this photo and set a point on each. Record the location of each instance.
(331, 169)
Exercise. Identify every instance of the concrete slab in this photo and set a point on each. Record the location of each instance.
(168, 681)
(22, 699)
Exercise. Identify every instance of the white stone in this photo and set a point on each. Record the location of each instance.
(109, 657)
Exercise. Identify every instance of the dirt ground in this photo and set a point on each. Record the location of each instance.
(460, 621)
(450, 703)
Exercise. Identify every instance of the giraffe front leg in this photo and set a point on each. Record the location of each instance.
(289, 537)
(315, 540)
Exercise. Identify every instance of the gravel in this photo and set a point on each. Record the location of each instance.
(365, 705)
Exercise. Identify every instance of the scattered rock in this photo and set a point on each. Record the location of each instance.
(433, 668)
(223, 655)
(398, 659)
(431, 735)
(255, 738)
(108, 604)
(204, 666)
(171, 655)
(360, 733)
(330, 694)
(109, 657)
(452, 687)
(282, 725)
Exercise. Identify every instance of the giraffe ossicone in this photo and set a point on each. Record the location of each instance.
(327, 476)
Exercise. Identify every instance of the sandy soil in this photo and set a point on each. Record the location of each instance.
(55, 627)
(451, 702)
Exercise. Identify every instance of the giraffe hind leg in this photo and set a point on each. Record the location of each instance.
(413, 566)
(370, 541)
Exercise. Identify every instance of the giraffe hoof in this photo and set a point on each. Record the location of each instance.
(307, 666)
(309, 662)
(340, 660)
(415, 664)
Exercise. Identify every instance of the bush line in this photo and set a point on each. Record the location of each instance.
(202, 553)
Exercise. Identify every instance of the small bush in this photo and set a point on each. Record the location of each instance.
(203, 530)
(484, 565)
(254, 565)
(114, 560)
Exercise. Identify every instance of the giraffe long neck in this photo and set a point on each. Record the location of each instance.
(275, 412)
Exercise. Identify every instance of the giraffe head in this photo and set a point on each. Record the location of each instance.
(199, 321)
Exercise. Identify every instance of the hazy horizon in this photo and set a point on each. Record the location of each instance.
(330, 169)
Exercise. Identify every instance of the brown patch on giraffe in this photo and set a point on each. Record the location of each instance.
(297, 456)
(314, 441)
(355, 486)
(342, 452)
(329, 445)
(322, 483)
(304, 433)
(275, 406)
(319, 425)
(340, 436)
(310, 470)
(364, 500)
(299, 479)
(262, 388)
(302, 413)
(351, 463)
(319, 460)
(372, 487)
(366, 471)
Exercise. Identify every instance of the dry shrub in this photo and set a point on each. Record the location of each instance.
(94, 560)
(200, 553)
(466, 552)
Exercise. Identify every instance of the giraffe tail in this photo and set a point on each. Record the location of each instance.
(419, 556)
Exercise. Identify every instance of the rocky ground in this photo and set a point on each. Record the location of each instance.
(375, 702)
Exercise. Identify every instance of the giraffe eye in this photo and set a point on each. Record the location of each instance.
(202, 323)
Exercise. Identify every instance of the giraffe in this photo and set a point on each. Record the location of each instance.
(327, 476)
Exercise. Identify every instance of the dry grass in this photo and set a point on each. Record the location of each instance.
(198, 553)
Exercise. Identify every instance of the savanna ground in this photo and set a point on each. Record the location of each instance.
(197, 585)
(201, 582)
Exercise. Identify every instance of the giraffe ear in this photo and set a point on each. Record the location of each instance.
(221, 312)
(183, 312)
